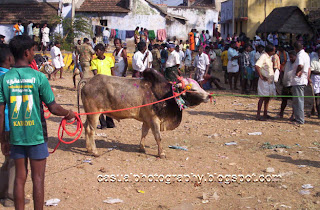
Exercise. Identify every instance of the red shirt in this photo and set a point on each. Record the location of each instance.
(33, 65)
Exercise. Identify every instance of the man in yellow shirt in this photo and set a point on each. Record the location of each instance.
(103, 65)
(224, 58)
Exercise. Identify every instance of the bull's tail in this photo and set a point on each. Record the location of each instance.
(81, 83)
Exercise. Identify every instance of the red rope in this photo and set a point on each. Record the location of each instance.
(46, 110)
(79, 129)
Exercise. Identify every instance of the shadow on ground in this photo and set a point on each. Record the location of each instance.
(287, 159)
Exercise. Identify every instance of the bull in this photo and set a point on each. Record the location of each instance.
(104, 93)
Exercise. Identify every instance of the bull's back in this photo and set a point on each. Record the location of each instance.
(103, 93)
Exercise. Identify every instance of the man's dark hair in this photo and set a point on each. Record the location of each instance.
(232, 43)
(246, 46)
(19, 21)
(156, 45)
(260, 46)
(298, 46)
(141, 46)
(118, 40)
(292, 52)
(85, 40)
(56, 42)
(4, 53)
(100, 47)
(207, 48)
(19, 44)
(107, 28)
(269, 48)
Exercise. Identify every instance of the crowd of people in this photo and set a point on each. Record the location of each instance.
(39, 35)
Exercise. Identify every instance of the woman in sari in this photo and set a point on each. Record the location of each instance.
(191, 40)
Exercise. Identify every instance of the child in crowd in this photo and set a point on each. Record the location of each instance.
(7, 171)
(103, 65)
(224, 59)
(77, 70)
(287, 83)
(187, 62)
(201, 64)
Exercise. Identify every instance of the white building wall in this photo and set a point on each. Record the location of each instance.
(198, 18)
(144, 15)
(141, 15)
(7, 31)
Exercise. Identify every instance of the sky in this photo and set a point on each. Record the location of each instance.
(168, 2)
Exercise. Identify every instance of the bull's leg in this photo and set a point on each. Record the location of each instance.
(91, 125)
(155, 127)
(145, 130)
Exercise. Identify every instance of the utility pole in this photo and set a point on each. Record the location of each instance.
(265, 14)
(233, 14)
(73, 10)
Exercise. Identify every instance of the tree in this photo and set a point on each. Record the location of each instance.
(72, 29)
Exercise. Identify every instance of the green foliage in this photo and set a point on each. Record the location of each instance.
(72, 28)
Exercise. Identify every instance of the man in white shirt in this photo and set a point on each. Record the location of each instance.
(270, 38)
(45, 36)
(30, 30)
(299, 82)
(57, 60)
(172, 64)
(233, 65)
(266, 86)
(181, 55)
(287, 83)
(106, 36)
(201, 64)
(140, 60)
(315, 78)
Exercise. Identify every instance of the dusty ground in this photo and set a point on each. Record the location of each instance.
(204, 132)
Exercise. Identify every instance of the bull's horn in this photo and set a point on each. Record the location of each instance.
(179, 85)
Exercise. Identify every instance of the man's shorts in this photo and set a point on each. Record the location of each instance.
(105, 40)
(35, 152)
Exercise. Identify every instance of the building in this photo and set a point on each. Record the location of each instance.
(37, 11)
(128, 14)
(168, 2)
(13, 10)
(249, 14)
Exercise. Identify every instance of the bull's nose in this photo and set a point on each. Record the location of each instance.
(207, 98)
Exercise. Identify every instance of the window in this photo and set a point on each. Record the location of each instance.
(104, 22)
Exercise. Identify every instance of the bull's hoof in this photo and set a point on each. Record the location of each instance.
(142, 150)
(162, 156)
(96, 154)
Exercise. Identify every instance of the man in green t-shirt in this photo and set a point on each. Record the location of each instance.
(23, 89)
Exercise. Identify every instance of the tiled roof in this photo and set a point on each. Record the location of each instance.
(204, 3)
(114, 6)
(286, 20)
(37, 12)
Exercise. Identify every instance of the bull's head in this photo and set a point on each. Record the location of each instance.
(195, 95)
